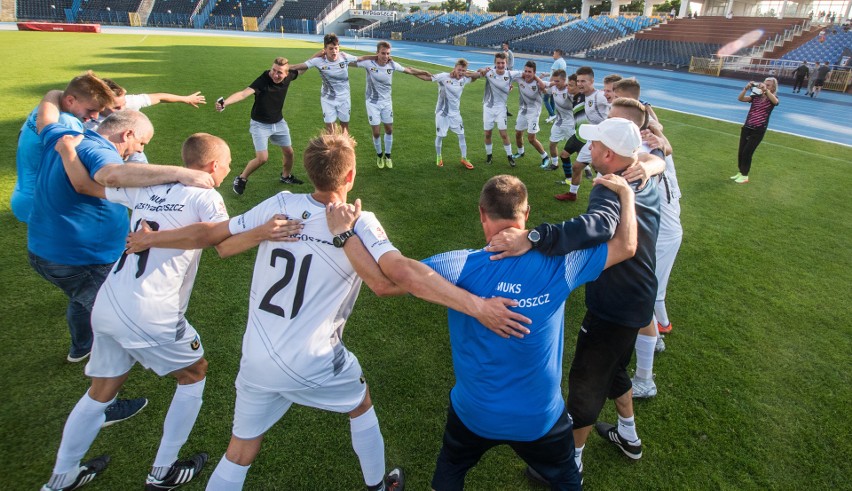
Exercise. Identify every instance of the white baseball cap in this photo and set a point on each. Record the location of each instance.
(618, 134)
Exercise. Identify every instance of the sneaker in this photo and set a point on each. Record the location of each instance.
(439, 161)
(240, 185)
(122, 409)
(88, 471)
(588, 173)
(77, 359)
(664, 329)
(660, 346)
(550, 119)
(395, 480)
(610, 433)
(488, 158)
(552, 166)
(643, 388)
(566, 181)
(569, 196)
(465, 163)
(512, 162)
(380, 162)
(518, 156)
(291, 179)
(741, 180)
(545, 163)
(734, 178)
(180, 473)
(388, 162)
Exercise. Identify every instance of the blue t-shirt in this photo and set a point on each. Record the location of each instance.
(510, 389)
(66, 227)
(28, 161)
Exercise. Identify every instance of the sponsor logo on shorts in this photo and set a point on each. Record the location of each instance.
(361, 378)
(195, 344)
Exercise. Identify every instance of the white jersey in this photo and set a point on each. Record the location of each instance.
(497, 87)
(301, 295)
(529, 97)
(594, 109)
(143, 301)
(334, 74)
(668, 186)
(379, 80)
(449, 93)
(563, 103)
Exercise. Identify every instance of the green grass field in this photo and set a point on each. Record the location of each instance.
(753, 385)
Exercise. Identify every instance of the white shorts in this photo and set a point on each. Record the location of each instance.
(257, 409)
(668, 244)
(261, 133)
(559, 133)
(450, 122)
(336, 110)
(584, 155)
(494, 115)
(111, 359)
(379, 113)
(528, 122)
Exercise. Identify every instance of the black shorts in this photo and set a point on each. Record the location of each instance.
(573, 145)
(552, 455)
(599, 368)
(819, 83)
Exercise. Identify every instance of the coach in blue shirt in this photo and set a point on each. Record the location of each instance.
(508, 391)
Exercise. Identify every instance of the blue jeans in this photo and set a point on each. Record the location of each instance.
(548, 104)
(81, 285)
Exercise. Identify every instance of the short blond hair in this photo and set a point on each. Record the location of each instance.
(504, 197)
(280, 61)
(89, 86)
(328, 158)
(200, 148)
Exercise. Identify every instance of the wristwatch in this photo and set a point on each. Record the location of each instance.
(340, 239)
(534, 237)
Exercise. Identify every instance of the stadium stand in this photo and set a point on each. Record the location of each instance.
(246, 8)
(655, 52)
(583, 35)
(107, 11)
(448, 26)
(52, 11)
(516, 27)
(172, 13)
(300, 16)
(831, 50)
(719, 30)
(405, 24)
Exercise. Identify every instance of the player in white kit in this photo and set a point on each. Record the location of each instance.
(335, 96)
(530, 90)
(138, 316)
(380, 70)
(498, 82)
(563, 105)
(447, 111)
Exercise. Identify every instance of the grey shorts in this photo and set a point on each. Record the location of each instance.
(262, 133)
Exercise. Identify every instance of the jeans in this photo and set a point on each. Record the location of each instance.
(548, 104)
(81, 285)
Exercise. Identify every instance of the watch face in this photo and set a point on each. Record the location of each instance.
(337, 241)
(534, 236)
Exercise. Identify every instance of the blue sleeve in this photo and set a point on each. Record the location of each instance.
(51, 133)
(593, 228)
(94, 158)
(585, 265)
(448, 264)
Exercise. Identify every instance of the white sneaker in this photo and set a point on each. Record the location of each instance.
(643, 388)
(550, 119)
(660, 346)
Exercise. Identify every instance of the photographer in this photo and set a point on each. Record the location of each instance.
(763, 99)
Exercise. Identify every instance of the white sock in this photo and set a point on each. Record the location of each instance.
(520, 150)
(388, 143)
(645, 356)
(627, 429)
(81, 428)
(369, 445)
(186, 403)
(377, 144)
(488, 148)
(228, 476)
(544, 155)
(660, 313)
(508, 149)
(554, 160)
(439, 140)
(574, 188)
(463, 146)
(578, 456)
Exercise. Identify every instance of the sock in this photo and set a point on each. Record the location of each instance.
(377, 144)
(387, 155)
(578, 456)
(369, 445)
(228, 476)
(520, 149)
(660, 313)
(574, 188)
(508, 149)
(81, 428)
(488, 148)
(544, 155)
(439, 140)
(388, 143)
(566, 167)
(180, 419)
(463, 146)
(645, 356)
(627, 429)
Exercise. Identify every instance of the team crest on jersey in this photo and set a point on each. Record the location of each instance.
(389, 71)
(306, 214)
(341, 64)
(195, 344)
(589, 103)
(374, 69)
(506, 78)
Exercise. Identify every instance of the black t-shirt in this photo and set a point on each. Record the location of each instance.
(269, 97)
